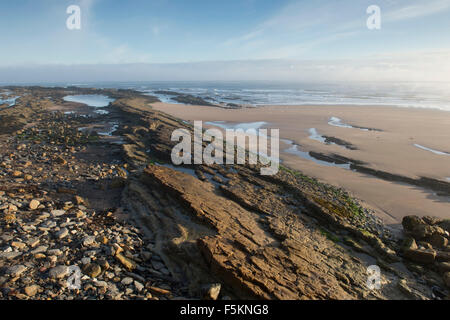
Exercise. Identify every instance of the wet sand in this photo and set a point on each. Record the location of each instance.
(392, 148)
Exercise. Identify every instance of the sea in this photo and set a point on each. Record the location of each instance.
(434, 95)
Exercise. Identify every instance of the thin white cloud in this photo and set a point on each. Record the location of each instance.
(305, 25)
(418, 9)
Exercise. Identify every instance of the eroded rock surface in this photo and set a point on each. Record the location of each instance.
(76, 192)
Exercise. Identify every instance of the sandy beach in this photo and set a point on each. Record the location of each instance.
(406, 142)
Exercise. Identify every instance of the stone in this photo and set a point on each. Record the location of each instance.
(78, 200)
(409, 244)
(424, 245)
(10, 217)
(411, 222)
(127, 281)
(58, 213)
(127, 263)
(12, 208)
(18, 245)
(39, 249)
(89, 241)
(10, 255)
(80, 214)
(104, 264)
(426, 256)
(159, 291)
(55, 252)
(34, 204)
(59, 160)
(212, 291)
(17, 174)
(61, 234)
(101, 284)
(438, 241)
(32, 290)
(422, 231)
(93, 270)
(139, 286)
(16, 271)
(33, 242)
(103, 240)
(59, 272)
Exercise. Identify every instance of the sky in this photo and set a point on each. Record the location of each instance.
(225, 40)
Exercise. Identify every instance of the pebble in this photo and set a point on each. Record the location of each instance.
(40, 249)
(32, 290)
(88, 241)
(16, 271)
(10, 255)
(46, 233)
(18, 245)
(61, 234)
(127, 281)
(93, 270)
(139, 286)
(33, 242)
(59, 272)
(58, 213)
(34, 204)
(212, 291)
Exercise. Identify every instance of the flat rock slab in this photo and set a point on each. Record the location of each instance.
(275, 258)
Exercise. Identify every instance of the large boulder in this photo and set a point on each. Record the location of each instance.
(422, 231)
(438, 241)
(421, 228)
(411, 222)
(409, 244)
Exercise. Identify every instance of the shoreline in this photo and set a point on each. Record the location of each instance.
(381, 151)
(140, 228)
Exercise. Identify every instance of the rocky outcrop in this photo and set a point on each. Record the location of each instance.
(427, 244)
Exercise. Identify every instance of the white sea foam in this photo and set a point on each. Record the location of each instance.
(336, 122)
(441, 153)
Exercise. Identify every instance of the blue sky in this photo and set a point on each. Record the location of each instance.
(328, 34)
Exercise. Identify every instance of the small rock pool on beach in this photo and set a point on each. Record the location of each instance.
(92, 100)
